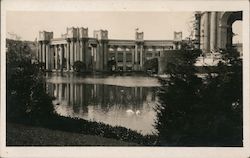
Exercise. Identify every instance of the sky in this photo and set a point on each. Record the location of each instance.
(120, 25)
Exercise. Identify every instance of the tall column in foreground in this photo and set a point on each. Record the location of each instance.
(206, 32)
(213, 31)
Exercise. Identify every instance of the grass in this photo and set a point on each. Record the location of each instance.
(85, 127)
(23, 135)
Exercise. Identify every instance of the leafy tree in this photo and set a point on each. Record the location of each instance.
(152, 65)
(177, 97)
(223, 98)
(79, 66)
(201, 113)
(26, 94)
(111, 64)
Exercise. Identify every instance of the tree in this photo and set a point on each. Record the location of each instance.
(152, 65)
(178, 96)
(79, 66)
(26, 94)
(111, 65)
(201, 113)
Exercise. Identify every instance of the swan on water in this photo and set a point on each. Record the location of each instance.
(137, 112)
(130, 111)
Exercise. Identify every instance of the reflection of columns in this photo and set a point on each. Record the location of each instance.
(213, 31)
(60, 92)
(206, 32)
(75, 94)
(57, 90)
(72, 94)
(68, 93)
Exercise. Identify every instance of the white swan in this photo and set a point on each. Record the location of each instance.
(137, 112)
(130, 111)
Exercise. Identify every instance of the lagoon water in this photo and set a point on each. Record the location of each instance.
(126, 101)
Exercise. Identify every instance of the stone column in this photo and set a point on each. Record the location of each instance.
(75, 51)
(47, 57)
(68, 55)
(141, 57)
(105, 56)
(124, 59)
(52, 57)
(116, 57)
(133, 57)
(56, 57)
(136, 57)
(71, 53)
(86, 53)
(81, 50)
(43, 52)
(65, 56)
(206, 32)
(213, 31)
(78, 50)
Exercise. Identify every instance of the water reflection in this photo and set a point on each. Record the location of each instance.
(131, 107)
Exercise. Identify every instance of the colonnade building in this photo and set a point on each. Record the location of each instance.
(59, 54)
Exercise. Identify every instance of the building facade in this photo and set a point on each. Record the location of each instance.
(213, 30)
(60, 54)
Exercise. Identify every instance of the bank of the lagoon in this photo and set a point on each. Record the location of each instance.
(24, 135)
(126, 101)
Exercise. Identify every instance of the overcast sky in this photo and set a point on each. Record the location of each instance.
(121, 25)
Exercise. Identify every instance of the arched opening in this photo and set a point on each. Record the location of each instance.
(227, 34)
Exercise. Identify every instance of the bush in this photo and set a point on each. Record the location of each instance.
(79, 66)
(151, 65)
(26, 94)
(201, 113)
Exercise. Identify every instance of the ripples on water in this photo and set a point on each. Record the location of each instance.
(126, 101)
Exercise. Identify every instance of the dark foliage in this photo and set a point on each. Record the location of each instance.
(151, 65)
(79, 66)
(111, 64)
(82, 126)
(201, 113)
(26, 95)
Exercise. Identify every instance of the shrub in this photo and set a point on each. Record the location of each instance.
(26, 94)
(201, 113)
(79, 66)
